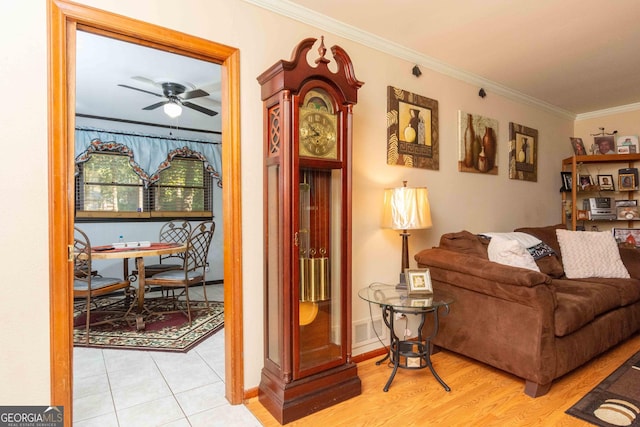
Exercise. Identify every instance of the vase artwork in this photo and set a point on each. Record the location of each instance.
(478, 151)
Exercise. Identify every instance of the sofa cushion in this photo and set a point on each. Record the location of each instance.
(590, 254)
(627, 290)
(579, 302)
(466, 243)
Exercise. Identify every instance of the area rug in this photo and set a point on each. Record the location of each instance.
(164, 331)
(616, 400)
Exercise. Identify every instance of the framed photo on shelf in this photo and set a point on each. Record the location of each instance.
(627, 213)
(578, 146)
(620, 203)
(605, 144)
(418, 281)
(582, 215)
(585, 181)
(627, 235)
(627, 145)
(626, 182)
(605, 182)
(567, 182)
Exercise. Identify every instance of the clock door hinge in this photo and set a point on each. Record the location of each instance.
(70, 253)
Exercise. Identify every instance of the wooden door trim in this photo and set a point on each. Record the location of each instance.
(64, 18)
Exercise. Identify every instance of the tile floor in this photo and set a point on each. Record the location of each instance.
(123, 388)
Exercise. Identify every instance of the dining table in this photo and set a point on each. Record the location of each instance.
(138, 252)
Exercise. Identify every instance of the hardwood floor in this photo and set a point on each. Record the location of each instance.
(480, 395)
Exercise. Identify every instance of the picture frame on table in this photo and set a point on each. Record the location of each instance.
(626, 182)
(567, 181)
(418, 281)
(422, 302)
(605, 182)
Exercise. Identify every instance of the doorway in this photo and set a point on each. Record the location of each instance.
(65, 19)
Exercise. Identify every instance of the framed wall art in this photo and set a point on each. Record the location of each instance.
(523, 152)
(412, 130)
(477, 144)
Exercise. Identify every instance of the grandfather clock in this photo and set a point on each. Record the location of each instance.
(307, 213)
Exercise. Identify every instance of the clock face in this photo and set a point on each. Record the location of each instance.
(318, 128)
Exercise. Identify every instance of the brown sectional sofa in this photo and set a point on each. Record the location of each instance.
(535, 325)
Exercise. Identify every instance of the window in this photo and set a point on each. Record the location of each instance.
(107, 183)
(185, 187)
(108, 187)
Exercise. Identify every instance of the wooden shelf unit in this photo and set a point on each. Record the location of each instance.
(573, 163)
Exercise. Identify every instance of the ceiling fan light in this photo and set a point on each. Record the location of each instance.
(172, 109)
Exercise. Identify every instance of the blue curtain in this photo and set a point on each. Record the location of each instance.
(148, 154)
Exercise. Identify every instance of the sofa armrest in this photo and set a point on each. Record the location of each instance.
(484, 276)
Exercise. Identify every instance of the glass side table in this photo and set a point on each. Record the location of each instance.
(408, 354)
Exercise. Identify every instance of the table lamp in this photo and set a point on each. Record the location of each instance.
(406, 208)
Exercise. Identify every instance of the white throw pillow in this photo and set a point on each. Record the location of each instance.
(590, 254)
(510, 252)
(527, 240)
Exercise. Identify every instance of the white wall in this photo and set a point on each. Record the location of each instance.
(459, 200)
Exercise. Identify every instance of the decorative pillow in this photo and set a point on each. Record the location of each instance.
(510, 252)
(590, 254)
(524, 239)
(546, 234)
(541, 250)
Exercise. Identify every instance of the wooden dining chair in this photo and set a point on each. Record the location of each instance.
(90, 287)
(194, 270)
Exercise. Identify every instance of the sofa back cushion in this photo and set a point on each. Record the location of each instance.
(466, 243)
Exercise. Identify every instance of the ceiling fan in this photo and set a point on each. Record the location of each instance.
(176, 95)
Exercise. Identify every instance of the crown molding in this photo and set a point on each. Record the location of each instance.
(307, 16)
(609, 111)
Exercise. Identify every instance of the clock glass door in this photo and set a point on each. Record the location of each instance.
(320, 252)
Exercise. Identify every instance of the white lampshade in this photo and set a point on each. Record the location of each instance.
(172, 109)
(406, 208)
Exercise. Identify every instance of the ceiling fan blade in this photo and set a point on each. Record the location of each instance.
(197, 93)
(141, 90)
(199, 108)
(145, 80)
(156, 105)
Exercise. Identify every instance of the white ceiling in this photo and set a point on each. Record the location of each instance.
(577, 55)
(574, 56)
(103, 63)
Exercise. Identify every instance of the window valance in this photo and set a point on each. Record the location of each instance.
(148, 155)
